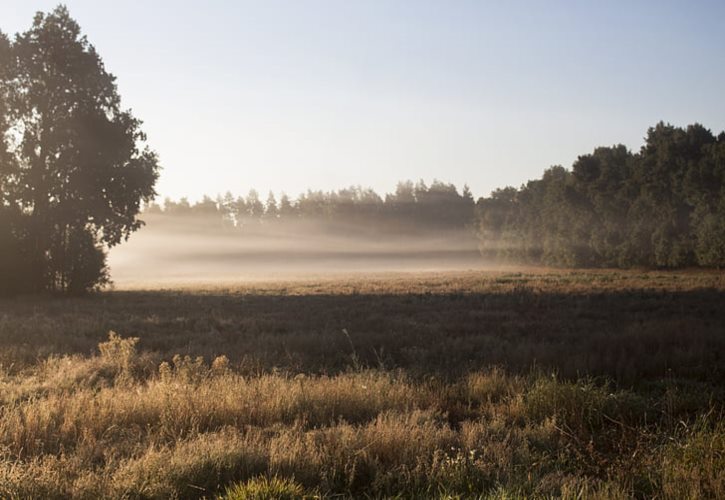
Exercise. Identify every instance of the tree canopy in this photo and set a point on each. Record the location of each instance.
(74, 171)
(662, 207)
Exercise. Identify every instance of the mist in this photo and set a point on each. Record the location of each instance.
(172, 250)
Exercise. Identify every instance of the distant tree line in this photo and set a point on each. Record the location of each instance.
(661, 207)
(412, 208)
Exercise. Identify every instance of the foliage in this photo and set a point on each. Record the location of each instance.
(14, 264)
(264, 488)
(71, 161)
(412, 208)
(661, 207)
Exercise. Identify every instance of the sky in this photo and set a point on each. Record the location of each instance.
(297, 94)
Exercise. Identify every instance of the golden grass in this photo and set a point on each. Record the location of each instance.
(495, 280)
(192, 429)
(395, 414)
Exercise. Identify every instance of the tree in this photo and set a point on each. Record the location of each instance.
(705, 190)
(82, 172)
(662, 207)
(286, 208)
(13, 261)
(255, 207)
(14, 265)
(496, 216)
(601, 181)
(271, 210)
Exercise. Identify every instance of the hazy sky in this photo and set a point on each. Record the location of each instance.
(287, 95)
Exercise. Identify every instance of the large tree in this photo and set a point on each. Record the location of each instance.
(78, 170)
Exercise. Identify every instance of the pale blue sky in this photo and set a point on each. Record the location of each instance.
(287, 95)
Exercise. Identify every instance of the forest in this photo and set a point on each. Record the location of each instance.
(663, 207)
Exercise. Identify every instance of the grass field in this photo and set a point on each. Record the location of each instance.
(590, 384)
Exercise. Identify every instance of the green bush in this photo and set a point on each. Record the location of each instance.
(263, 488)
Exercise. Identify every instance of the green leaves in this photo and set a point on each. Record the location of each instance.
(660, 207)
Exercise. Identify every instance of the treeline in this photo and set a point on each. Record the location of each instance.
(413, 208)
(661, 207)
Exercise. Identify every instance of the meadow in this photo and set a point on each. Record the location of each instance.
(481, 384)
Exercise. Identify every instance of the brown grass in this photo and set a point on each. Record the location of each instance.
(443, 386)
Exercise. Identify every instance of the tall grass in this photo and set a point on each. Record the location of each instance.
(103, 426)
(571, 385)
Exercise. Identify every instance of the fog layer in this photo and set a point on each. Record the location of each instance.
(169, 250)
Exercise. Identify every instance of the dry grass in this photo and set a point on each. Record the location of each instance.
(282, 414)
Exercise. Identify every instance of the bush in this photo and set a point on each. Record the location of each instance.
(86, 268)
(121, 353)
(263, 488)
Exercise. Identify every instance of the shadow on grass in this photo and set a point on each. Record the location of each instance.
(627, 336)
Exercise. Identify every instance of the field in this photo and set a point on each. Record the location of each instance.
(543, 383)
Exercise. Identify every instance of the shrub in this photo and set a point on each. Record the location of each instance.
(263, 488)
(121, 353)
